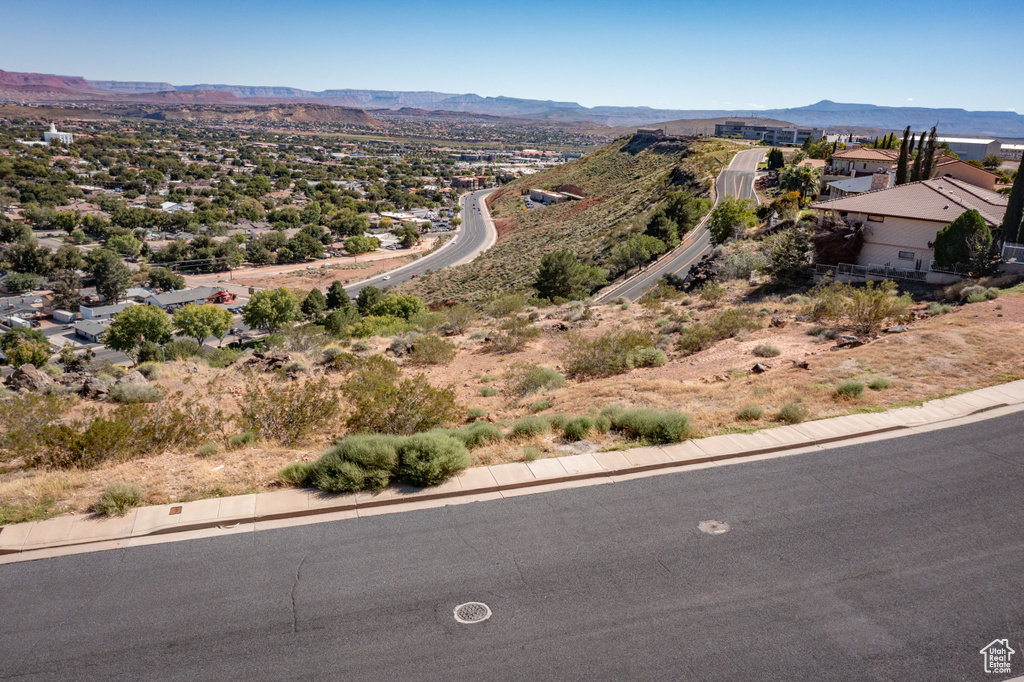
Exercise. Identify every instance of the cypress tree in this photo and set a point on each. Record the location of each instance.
(915, 173)
(901, 165)
(928, 167)
(1014, 209)
(875, 145)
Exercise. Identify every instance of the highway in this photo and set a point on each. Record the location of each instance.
(473, 236)
(890, 560)
(736, 180)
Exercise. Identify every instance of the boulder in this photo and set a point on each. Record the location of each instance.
(849, 341)
(801, 364)
(135, 378)
(94, 389)
(71, 378)
(267, 362)
(898, 329)
(760, 368)
(778, 321)
(28, 378)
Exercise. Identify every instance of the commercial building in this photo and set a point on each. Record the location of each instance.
(972, 149)
(169, 299)
(773, 135)
(103, 312)
(470, 182)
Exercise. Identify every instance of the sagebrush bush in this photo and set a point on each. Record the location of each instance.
(488, 391)
(476, 434)
(578, 428)
(380, 404)
(135, 393)
(530, 453)
(878, 383)
(976, 291)
(117, 498)
(223, 357)
(750, 413)
(432, 350)
(182, 349)
(150, 370)
(240, 440)
(525, 378)
(603, 424)
(695, 338)
(357, 463)
(540, 405)
(208, 450)
(428, 459)
(475, 413)
(791, 413)
(557, 420)
(607, 355)
(646, 357)
(850, 390)
(513, 334)
(530, 427)
(287, 411)
(936, 309)
(766, 350)
(654, 427)
(298, 474)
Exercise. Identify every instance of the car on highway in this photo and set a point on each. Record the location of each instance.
(386, 277)
(237, 309)
(311, 267)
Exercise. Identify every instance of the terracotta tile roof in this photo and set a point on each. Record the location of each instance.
(940, 200)
(862, 154)
(950, 161)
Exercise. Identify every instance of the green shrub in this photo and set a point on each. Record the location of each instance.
(380, 326)
(654, 427)
(330, 353)
(766, 350)
(578, 428)
(513, 334)
(208, 450)
(428, 459)
(382, 405)
(695, 338)
(540, 405)
(362, 462)
(796, 299)
(475, 435)
(432, 350)
(557, 421)
(475, 413)
(850, 390)
(135, 393)
(646, 357)
(975, 290)
(287, 411)
(530, 427)
(298, 474)
(936, 309)
(223, 357)
(791, 413)
(731, 321)
(878, 383)
(750, 413)
(530, 453)
(182, 349)
(240, 440)
(506, 305)
(607, 355)
(150, 370)
(603, 424)
(117, 498)
(487, 391)
(525, 378)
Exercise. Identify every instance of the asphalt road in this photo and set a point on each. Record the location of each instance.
(894, 560)
(471, 236)
(737, 180)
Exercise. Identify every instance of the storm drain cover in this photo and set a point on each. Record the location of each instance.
(472, 612)
(713, 527)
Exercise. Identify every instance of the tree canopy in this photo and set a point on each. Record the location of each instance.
(562, 275)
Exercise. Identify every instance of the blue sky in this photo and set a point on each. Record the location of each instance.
(735, 54)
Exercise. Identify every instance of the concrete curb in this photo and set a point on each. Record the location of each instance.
(72, 534)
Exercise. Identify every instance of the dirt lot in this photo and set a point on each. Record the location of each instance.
(976, 345)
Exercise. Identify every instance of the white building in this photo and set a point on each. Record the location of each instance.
(972, 148)
(53, 134)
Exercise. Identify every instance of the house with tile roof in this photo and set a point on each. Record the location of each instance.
(900, 223)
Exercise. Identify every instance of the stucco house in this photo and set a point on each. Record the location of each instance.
(900, 222)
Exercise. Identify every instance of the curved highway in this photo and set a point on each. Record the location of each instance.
(475, 235)
(738, 181)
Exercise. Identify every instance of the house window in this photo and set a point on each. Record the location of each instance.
(906, 255)
(876, 219)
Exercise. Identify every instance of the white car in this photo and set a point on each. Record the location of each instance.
(386, 277)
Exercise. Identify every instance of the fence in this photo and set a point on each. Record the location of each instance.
(1013, 252)
(885, 271)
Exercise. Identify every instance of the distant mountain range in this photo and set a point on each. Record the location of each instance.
(824, 114)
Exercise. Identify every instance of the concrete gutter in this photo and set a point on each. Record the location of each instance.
(262, 511)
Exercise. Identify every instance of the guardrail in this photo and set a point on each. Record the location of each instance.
(1013, 252)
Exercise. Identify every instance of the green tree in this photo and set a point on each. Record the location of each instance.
(361, 244)
(166, 279)
(29, 352)
(66, 220)
(272, 310)
(788, 253)
(337, 297)
(202, 321)
(18, 282)
(135, 326)
(775, 159)
(660, 226)
(66, 288)
(965, 241)
(9, 340)
(367, 298)
(915, 171)
(803, 179)
(314, 305)
(636, 251)
(113, 278)
(124, 244)
(730, 215)
(561, 275)
(341, 319)
(398, 305)
(1014, 209)
(930, 158)
(902, 171)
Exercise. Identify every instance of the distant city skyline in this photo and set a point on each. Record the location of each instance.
(732, 54)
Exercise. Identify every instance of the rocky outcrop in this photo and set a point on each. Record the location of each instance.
(28, 378)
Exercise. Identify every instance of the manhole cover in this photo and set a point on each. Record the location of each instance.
(472, 612)
(713, 527)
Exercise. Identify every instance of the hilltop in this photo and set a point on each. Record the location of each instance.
(619, 183)
(271, 113)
